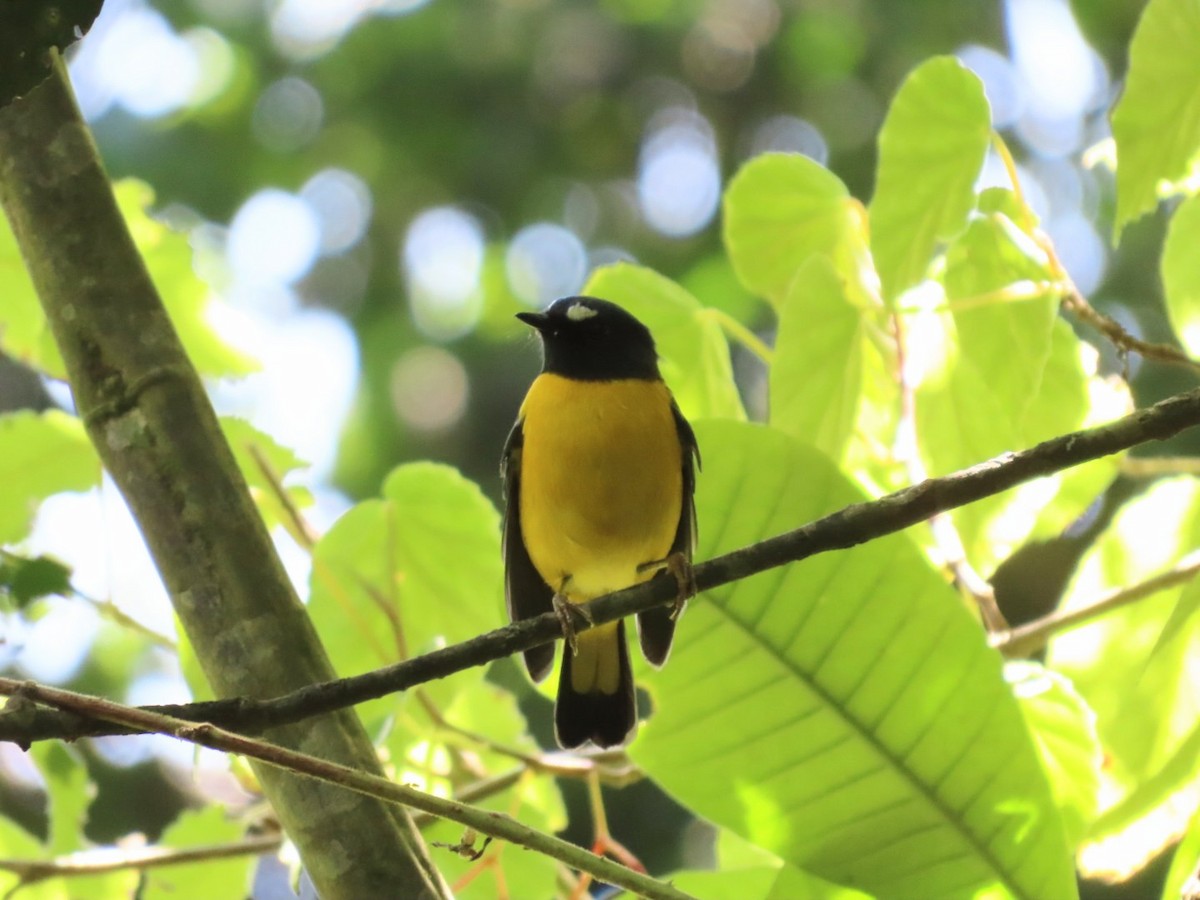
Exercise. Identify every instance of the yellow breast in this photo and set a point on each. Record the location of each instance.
(601, 481)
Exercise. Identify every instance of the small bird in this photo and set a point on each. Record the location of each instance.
(599, 477)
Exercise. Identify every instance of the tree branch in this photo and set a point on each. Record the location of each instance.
(494, 824)
(1032, 636)
(147, 413)
(848, 527)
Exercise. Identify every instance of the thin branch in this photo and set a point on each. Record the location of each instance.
(1032, 636)
(1159, 466)
(848, 527)
(1075, 303)
(496, 825)
(116, 859)
(297, 526)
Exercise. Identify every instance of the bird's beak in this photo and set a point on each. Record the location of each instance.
(534, 319)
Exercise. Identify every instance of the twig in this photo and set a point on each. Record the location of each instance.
(300, 528)
(99, 862)
(1159, 466)
(848, 527)
(1032, 636)
(1072, 300)
(497, 825)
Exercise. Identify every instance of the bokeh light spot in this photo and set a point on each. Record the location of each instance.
(288, 115)
(429, 388)
(789, 134)
(679, 182)
(443, 258)
(273, 238)
(544, 262)
(342, 202)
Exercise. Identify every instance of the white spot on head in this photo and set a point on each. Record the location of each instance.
(578, 312)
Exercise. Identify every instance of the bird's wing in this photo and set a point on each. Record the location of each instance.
(656, 627)
(525, 593)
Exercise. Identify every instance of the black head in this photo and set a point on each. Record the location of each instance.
(593, 340)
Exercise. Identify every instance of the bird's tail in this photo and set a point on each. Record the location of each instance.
(595, 690)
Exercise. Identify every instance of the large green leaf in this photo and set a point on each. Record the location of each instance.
(400, 575)
(845, 712)
(693, 350)
(817, 373)
(1156, 123)
(25, 334)
(779, 210)
(40, 454)
(1064, 728)
(745, 872)
(1003, 372)
(931, 151)
(1185, 861)
(229, 877)
(1139, 681)
(1181, 274)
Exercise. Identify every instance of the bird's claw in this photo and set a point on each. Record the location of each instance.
(566, 611)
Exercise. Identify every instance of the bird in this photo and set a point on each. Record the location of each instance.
(599, 476)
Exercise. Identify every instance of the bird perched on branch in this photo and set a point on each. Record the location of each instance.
(599, 476)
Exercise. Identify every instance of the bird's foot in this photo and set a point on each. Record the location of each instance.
(681, 570)
(568, 613)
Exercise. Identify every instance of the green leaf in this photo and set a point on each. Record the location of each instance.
(1139, 684)
(69, 790)
(844, 712)
(205, 827)
(931, 151)
(25, 334)
(418, 568)
(1184, 862)
(26, 579)
(40, 454)
(693, 350)
(1156, 122)
(168, 257)
(1181, 274)
(1003, 372)
(744, 871)
(250, 446)
(817, 373)
(1064, 729)
(779, 209)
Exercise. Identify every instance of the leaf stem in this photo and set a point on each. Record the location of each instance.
(741, 334)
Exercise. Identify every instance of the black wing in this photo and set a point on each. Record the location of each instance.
(656, 627)
(525, 593)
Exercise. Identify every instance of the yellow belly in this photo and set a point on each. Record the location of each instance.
(601, 481)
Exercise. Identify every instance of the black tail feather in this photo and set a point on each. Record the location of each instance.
(604, 719)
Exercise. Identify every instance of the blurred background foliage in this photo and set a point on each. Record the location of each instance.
(373, 187)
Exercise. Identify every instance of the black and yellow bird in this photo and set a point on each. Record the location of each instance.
(599, 476)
